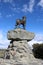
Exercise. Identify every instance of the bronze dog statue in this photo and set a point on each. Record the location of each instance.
(21, 22)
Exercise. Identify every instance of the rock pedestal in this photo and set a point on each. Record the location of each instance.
(20, 34)
(18, 48)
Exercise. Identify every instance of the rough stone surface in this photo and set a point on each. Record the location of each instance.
(20, 34)
(23, 55)
(31, 61)
(19, 50)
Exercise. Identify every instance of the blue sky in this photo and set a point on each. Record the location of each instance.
(10, 10)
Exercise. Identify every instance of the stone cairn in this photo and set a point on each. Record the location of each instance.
(19, 48)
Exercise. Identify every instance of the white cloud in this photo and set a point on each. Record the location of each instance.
(1, 36)
(9, 15)
(40, 3)
(3, 40)
(29, 7)
(37, 39)
(15, 9)
(4, 43)
(25, 8)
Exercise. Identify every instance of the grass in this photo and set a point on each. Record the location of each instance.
(2, 52)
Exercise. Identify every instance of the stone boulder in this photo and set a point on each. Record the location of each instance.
(19, 49)
(20, 34)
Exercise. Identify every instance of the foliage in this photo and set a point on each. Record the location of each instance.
(38, 50)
